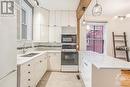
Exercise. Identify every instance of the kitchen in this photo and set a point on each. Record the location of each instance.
(62, 43)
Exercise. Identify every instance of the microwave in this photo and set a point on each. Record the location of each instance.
(68, 39)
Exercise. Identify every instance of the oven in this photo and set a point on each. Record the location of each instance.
(69, 55)
(69, 58)
(69, 47)
(68, 38)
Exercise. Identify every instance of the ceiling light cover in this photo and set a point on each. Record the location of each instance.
(84, 22)
(128, 15)
(97, 9)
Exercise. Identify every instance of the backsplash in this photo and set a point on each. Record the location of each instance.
(38, 46)
(27, 45)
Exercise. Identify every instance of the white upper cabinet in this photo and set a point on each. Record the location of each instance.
(52, 18)
(55, 18)
(58, 18)
(62, 18)
(55, 34)
(44, 33)
(72, 18)
(69, 18)
(41, 22)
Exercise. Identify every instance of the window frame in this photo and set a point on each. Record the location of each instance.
(21, 22)
(101, 23)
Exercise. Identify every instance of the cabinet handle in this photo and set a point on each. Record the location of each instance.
(29, 79)
(40, 61)
(29, 65)
(29, 86)
(29, 72)
(86, 64)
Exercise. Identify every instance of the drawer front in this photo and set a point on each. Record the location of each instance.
(26, 74)
(26, 81)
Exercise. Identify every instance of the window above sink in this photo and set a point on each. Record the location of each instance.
(25, 21)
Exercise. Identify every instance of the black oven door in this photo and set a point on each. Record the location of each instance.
(69, 58)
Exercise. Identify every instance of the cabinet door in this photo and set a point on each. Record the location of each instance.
(58, 18)
(72, 18)
(54, 62)
(38, 69)
(44, 16)
(40, 25)
(52, 34)
(44, 33)
(64, 18)
(52, 19)
(36, 32)
(55, 34)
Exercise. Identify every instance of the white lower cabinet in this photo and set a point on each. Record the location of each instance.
(31, 72)
(54, 61)
(85, 69)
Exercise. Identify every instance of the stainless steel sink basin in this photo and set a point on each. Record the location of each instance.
(30, 55)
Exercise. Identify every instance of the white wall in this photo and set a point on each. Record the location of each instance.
(113, 25)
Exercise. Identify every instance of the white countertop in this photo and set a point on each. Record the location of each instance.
(22, 60)
(104, 62)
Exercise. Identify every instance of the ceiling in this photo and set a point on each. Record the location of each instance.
(111, 7)
(59, 4)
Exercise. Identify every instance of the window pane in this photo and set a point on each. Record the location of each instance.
(24, 31)
(95, 38)
(23, 16)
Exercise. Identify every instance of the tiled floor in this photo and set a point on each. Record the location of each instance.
(59, 79)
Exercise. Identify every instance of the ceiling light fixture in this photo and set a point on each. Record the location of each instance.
(128, 15)
(122, 17)
(37, 3)
(84, 16)
(97, 9)
(115, 17)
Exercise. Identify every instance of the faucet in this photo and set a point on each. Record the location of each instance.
(24, 48)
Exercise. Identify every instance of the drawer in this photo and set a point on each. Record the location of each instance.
(28, 66)
(27, 81)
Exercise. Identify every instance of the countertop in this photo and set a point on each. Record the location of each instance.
(22, 60)
(104, 62)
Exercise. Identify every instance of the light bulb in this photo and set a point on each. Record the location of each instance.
(128, 15)
(115, 17)
(122, 18)
(84, 22)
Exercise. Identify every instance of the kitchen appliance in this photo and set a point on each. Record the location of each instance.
(69, 61)
(69, 55)
(8, 59)
(68, 38)
(69, 58)
(69, 47)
